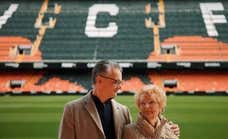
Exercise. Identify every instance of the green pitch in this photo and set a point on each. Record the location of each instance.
(37, 117)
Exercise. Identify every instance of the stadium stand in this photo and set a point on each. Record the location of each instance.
(18, 82)
(17, 25)
(79, 30)
(68, 82)
(70, 38)
(210, 81)
(17, 49)
(62, 81)
(144, 36)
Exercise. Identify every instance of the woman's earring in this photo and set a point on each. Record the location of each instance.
(163, 110)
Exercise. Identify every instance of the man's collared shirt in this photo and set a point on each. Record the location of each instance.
(106, 116)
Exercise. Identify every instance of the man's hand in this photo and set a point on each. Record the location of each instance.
(175, 128)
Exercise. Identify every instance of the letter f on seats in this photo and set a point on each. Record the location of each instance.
(210, 19)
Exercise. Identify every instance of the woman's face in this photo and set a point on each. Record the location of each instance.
(148, 105)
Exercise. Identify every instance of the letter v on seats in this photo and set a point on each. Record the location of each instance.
(8, 14)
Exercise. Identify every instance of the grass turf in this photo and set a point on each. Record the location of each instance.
(37, 117)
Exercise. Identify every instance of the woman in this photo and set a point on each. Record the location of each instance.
(150, 101)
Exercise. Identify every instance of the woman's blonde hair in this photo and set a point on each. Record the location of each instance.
(152, 89)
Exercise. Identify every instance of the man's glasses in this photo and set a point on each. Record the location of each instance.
(116, 82)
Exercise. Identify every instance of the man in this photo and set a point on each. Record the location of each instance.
(97, 115)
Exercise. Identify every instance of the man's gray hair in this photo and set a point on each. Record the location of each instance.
(101, 68)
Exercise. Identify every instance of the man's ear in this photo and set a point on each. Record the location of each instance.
(98, 79)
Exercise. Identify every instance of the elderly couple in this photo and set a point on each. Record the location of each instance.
(98, 116)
